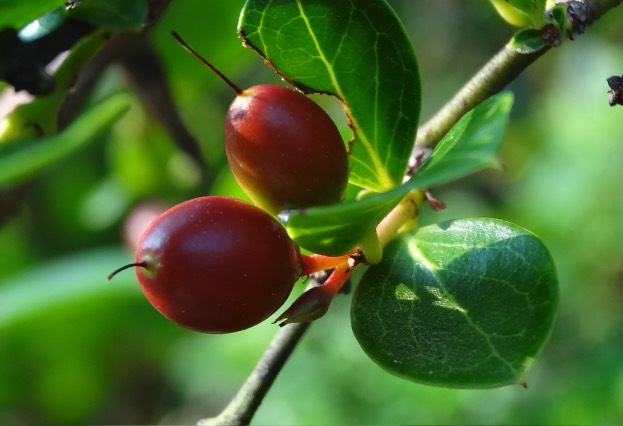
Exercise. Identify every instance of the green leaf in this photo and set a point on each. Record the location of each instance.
(17, 13)
(535, 9)
(21, 160)
(358, 51)
(63, 281)
(336, 229)
(560, 19)
(469, 146)
(465, 304)
(530, 7)
(118, 15)
(43, 25)
(528, 40)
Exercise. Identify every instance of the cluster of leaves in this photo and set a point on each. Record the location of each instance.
(481, 287)
(543, 23)
(467, 303)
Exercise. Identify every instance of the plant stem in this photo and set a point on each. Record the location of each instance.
(406, 213)
(242, 407)
(501, 69)
(319, 262)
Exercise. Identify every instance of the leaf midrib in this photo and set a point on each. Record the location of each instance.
(380, 170)
(417, 254)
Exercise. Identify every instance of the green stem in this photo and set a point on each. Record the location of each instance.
(503, 68)
(406, 213)
(496, 74)
(243, 406)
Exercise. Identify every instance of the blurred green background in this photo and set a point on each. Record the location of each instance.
(75, 349)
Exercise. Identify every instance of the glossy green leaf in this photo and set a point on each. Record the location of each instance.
(118, 15)
(528, 40)
(335, 230)
(469, 146)
(466, 304)
(17, 13)
(358, 51)
(21, 159)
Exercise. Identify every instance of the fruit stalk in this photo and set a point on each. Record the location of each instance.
(318, 262)
(404, 216)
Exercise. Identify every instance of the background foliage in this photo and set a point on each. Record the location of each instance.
(76, 349)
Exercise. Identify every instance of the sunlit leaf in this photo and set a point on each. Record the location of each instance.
(469, 146)
(358, 51)
(466, 303)
(512, 10)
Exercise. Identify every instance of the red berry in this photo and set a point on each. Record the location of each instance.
(284, 150)
(216, 264)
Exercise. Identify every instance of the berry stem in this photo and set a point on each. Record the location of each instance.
(315, 302)
(193, 52)
(318, 262)
(404, 216)
(142, 264)
(336, 280)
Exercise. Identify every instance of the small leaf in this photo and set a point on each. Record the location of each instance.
(526, 41)
(511, 14)
(465, 303)
(118, 15)
(560, 19)
(358, 51)
(22, 159)
(336, 229)
(469, 146)
(534, 9)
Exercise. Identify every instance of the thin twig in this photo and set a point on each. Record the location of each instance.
(496, 74)
(242, 407)
(501, 69)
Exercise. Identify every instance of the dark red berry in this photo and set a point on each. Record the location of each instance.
(216, 264)
(283, 149)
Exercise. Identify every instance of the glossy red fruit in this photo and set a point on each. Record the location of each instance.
(216, 264)
(284, 150)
